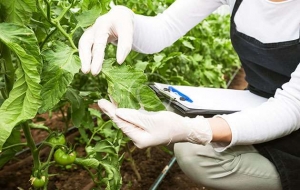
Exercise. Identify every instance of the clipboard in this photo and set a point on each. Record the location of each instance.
(207, 101)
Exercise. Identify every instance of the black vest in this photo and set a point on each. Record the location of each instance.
(268, 66)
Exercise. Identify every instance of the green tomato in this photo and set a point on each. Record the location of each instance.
(64, 158)
(38, 182)
(57, 139)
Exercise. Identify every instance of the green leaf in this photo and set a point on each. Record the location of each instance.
(73, 96)
(107, 130)
(18, 11)
(8, 154)
(188, 44)
(78, 108)
(141, 65)
(83, 134)
(148, 99)
(87, 18)
(105, 146)
(24, 99)
(58, 72)
(39, 126)
(159, 57)
(89, 4)
(127, 85)
(114, 178)
(95, 112)
(87, 162)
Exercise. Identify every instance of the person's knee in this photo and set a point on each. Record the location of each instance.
(186, 151)
(197, 162)
(231, 169)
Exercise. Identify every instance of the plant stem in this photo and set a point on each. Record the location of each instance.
(91, 174)
(32, 146)
(63, 13)
(148, 152)
(59, 27)
(40, 127)
(47, 38)
(48, 9)
(64, 118)
(135, 55)
(14, 145)
(132, 164)
(96, 131)
(56, 22)
(49, 158)
(42, 11)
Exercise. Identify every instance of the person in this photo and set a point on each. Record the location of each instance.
(257, 148)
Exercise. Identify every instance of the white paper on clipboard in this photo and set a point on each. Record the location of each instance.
(212, 100)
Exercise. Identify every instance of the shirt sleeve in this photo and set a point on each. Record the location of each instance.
(152, 34)
(277, 117)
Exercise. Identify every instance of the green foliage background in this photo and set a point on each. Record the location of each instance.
(203, 57)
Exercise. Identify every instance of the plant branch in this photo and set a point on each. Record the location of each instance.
(39, 126)
(60, 28)
(64, 118)
(48, 9)
(47, 38)
(32, 146)
(91, 174)
(42, 11)
(132, 164)
(14, 145)
(95, 132)
(56, 22)
(48, 162)
(65, 10)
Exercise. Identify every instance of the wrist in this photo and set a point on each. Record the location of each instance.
(221, 131)
(199, 131)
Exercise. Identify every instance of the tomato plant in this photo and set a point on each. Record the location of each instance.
(39, 60)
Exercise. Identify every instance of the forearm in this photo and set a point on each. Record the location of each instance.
(277, 117)
(152, 34)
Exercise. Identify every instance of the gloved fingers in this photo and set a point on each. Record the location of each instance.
(140, 137)
(122, 30)
(98, 52)
(135, 117)
(125, 39)
(85, 47)
(108, 108)
(112, 100)
(136, 134)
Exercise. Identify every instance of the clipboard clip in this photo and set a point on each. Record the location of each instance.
(182, 96)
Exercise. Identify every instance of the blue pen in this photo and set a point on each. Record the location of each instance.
(183, 96)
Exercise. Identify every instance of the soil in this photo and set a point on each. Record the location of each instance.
(150, 163)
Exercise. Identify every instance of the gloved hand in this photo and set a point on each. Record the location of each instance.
(116, 25)
(157, 128)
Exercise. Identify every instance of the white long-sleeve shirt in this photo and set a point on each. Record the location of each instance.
(264, 20)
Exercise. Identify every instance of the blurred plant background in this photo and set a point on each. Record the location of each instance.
(203, 57)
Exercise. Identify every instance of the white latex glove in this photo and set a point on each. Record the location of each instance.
(157, 128)
(116, 25)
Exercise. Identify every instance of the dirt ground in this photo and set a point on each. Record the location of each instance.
(149, 162)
